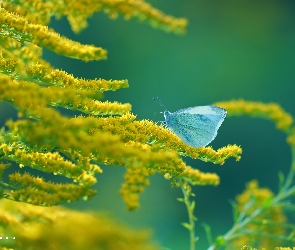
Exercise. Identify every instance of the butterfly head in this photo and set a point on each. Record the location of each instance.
(166, 113)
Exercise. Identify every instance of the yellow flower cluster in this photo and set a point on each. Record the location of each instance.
(135, 180)
(77, 12)
(35, 190)
(31, 227)
(268, 222)
(26, 188)
(94, 107)
(28, 95)
(144, 11)
(271, 111)
(15, 56)
(196, 177)
(50, 162)
(46, 76)
(18, 28)
(7, 66)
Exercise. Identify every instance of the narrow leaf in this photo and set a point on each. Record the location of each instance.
(192, 206)
(281, 180)
(187, 225)
(235, 210)
(208, 233)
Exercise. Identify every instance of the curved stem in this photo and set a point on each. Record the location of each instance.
(290, 176)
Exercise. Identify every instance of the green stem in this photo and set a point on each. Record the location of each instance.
(186, 190)
(290, 177)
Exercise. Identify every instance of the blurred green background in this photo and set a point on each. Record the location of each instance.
(232, 49)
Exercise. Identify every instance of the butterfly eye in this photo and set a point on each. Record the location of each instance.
(166, 113)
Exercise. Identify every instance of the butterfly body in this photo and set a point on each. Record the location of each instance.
(195, 126)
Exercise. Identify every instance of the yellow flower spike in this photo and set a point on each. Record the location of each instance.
(37, 191)
(20, 90)
(94, 107)
(144, 11)
(196, 177)
(53, 163)
(208, 154)
(77, 12)
(271, 111)
(47, 162)
(60, 78)
(17, 27)
(35, 11)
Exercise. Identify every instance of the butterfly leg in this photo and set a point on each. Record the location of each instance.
(162, 122)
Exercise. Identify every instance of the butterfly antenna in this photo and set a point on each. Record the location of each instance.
(159, 101)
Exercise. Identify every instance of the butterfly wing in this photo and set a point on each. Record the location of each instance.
(196, 126)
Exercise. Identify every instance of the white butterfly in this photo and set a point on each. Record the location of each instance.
(195, 126)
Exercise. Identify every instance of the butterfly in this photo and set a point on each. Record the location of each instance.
(195, 126)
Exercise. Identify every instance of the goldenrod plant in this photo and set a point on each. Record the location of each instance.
(73, 147)
(105, 133)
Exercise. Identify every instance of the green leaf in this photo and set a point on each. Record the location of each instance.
(187, 225)
(208, 233)
(192, 206)
(235, 210)
(281, 180)
(180, 199)
(268, 202)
